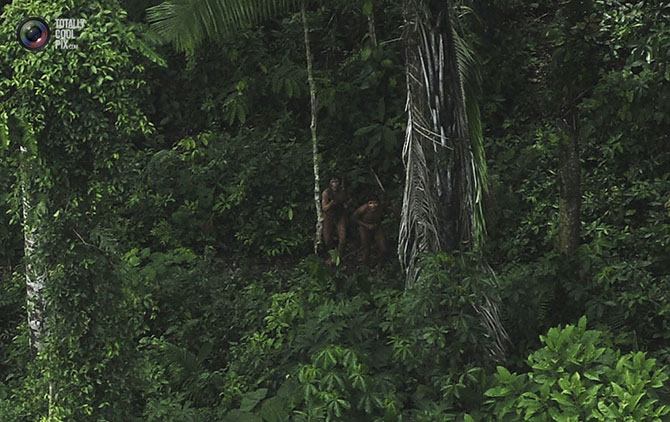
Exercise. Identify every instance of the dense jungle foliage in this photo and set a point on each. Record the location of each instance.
(172, 197)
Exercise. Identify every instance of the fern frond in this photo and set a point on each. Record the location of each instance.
(489, 317)
(188, 23)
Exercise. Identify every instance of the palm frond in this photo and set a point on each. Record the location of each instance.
(489, 315)
(184, 367)
(188, 23)
(470, 80)
(418, 228)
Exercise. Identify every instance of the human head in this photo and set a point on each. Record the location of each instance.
(335, 182)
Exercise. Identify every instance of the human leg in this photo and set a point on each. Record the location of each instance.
(341, 235)
(328, 227)
(381, 244)
(364, 235)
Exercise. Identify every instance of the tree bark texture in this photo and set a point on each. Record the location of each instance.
(569, 203)
(312, 126)
(445, 170)
(371, 28)
(440, 201)
(35, 271)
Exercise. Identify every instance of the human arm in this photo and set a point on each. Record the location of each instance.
(357, 217)
(326, 202)
(347, 201)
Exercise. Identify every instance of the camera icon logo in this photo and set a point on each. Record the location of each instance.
(33, 33)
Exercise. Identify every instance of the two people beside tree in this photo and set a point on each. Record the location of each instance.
(335, 202)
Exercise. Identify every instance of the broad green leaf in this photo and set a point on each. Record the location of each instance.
(238, 415)
(251, 399)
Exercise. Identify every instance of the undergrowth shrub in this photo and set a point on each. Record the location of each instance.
(579, 376)
(349, 347)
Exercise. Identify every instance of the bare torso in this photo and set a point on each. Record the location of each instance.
(341, 197)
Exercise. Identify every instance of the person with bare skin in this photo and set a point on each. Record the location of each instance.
(369, 218)
(334, 202)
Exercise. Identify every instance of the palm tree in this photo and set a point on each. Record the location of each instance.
(186, 23)
(445, 177)
(445, 168)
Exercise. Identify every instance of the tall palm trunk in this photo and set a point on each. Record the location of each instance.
(443, 156)
(445, 169)
(312, 127)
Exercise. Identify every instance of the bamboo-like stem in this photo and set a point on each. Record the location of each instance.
(35, 277)
(312, 126)
(371, 28)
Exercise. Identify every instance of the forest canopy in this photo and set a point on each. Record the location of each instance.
(353, 210)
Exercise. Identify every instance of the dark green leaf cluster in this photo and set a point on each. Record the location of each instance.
(578, 376)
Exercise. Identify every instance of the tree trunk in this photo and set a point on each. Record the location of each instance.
(371, 28)
(312, 126)
(569, 189)
(445, 169)
(35, 271)
(35, 266)
(419, 220)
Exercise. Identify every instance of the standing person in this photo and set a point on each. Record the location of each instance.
(335, 201)
(369, 219)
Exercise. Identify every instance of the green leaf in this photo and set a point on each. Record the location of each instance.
(561, 399)
(4, 129)
(367, 8)
(274, 410)
(503, 374)
(618, 390)
(582, 323)
(237, 415)
(499, 391)
(251, 399)
(381, 109)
